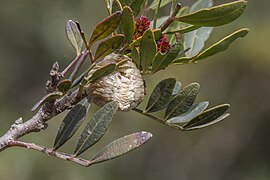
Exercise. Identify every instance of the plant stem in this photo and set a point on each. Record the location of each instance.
(78, 65)
(156, 15)
(108, 6)
(65, 71)
(149, 115)
(171, 18)
(160, 120)
(174, 3)
(50, 152)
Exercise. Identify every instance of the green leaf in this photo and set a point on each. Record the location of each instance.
(109, 45)
(121, 146)
(157, 34)
(200, 4)
(208, 117)
(217, 15)
(135, 5)
(96, 127)
(154, 4)
(128, 23)
(71, 123)
(46, 98)
(116, 6)
(106, 27)
(182, 102)
(135, 56)
(102, 72)
(64, 85)
(161, 61)
(182, 30)
(74, 36)
(176, 88)
(222, 45)
(193, 112)
(148, 49)
(161, 95)
(196, 39)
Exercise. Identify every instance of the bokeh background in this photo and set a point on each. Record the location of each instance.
(32, 37)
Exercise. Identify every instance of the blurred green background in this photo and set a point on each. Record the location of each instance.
(32, 37)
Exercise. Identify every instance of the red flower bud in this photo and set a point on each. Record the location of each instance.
(142, 24)
(163, 45)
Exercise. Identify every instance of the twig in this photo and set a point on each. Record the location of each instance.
(51, 152)
(78, 65)
(171, 18)
(64, 72)
(156, 14)
(44, 114)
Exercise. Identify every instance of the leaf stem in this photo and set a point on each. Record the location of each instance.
(149, 115)
(156, 15)
(160, 120)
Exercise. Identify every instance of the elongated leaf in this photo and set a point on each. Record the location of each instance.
(64, 85)
(148, 49)
(183, 30)
(223, 44)
(220, 46)
(96, 127)
(116, 6)
(134, 4)
(176, 88)
(207, 118)
(161, 95)
(74, 36)
(182, 102)
(127, 23)
(101, 72)
(71, 123)
(136, 7)
(193, 112)
(196, 39)
(121, 146)
(161, 61)
(200, 4)
(179, 27)
(135, 56)
(154, 4)
(217, 15)
(109, 45)
(106, 27)
(47, 98)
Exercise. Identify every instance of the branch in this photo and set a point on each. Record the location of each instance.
(171, 18)
(51, 152)
(44, 114)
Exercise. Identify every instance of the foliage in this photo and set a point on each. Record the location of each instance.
(180, 39)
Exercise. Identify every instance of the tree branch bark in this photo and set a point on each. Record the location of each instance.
(51, 152)
(44, 114)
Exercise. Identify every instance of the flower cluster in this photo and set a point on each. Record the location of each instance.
(163, 45)
(142, 24)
